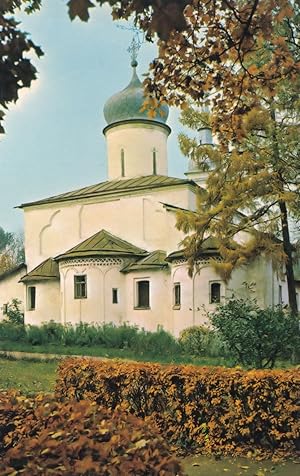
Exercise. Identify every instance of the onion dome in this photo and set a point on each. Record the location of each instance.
(127, 104)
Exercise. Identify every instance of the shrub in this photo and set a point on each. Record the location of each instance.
(11, 331)
(14, 313)
(118, 337)
(211, 409)
(159, 342)
(256, 337)
(80, 438)
(35, 335)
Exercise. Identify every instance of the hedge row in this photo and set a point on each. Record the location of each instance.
(42, 436)
(212, 409)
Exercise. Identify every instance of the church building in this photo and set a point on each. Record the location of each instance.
(111, 253)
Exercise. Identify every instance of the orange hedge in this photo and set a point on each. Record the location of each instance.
(42, 436)
(208, 408)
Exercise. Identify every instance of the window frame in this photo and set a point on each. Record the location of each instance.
(115, 295)
(137, 300)
(77, 286)
(176, 303)
(31, 298)
(211, 283)
(280, 295)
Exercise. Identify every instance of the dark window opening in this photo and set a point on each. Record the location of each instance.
(154, 162)
(215, 292)
(143, 288)
(31, 298)
(80, 286)
(280, 299)
(122, 163)
(177, 294)
(115, 296)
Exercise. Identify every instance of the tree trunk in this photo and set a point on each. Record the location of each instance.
(287, 247)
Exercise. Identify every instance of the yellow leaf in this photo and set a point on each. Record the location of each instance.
(57, 434)
(141, 444)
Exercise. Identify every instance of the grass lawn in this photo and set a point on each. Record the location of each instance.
(27, 376)
(113, 353)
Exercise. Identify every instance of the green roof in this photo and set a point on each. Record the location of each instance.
(12, 271)
(103, 243)
(46, 270)
(155, 260)
(209, 247)
(115, 188)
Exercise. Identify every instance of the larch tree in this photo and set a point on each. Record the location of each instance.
(252, 186)
(11, 250)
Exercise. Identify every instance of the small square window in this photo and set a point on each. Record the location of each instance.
(215, 293)
(31, 298)
(80, 288)
(143, 294)
(177, 295)
(115, 296)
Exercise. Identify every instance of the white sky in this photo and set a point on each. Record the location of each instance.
(54, 141)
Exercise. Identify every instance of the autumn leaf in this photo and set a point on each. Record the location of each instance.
(79, 8)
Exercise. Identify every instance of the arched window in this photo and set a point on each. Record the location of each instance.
(215, 292)
(122, 163)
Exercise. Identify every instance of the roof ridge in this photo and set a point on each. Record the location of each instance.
(110, 187)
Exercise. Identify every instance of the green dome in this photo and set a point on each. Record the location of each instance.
(126, 105)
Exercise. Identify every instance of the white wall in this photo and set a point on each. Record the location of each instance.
(97, 307)
(195, 296)
(137, 142)
(142, 220)
(10, 288)
(47, 306)
(160, 300)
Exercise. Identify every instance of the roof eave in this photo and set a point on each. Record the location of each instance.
(100, 254)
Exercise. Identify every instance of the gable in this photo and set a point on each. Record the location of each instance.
(103, 243)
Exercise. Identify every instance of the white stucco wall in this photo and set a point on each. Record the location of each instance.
(138, 142)
(140, 219)
(47, 306)
(10, 288)
(97, 307)
(158, 313)
(195, 296)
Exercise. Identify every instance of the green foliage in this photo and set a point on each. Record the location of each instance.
(106, 335)
(193, 340)
(5, 238)
(14, 313)
(35, 335)
(202, 341)
(256, 337)
(11, 331)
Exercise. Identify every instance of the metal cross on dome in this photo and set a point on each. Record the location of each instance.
(134, 47)
(136, 41)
